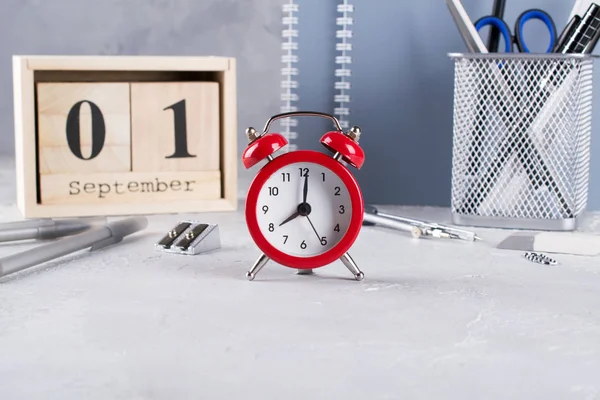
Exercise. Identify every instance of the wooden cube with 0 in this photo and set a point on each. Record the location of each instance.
(122, 135)
(83, 128)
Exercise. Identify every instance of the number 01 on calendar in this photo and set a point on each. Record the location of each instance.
(120, 135)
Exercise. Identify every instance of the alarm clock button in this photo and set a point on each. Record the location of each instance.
(351, 152)
(262, 148)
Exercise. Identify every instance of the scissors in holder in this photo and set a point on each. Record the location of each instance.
(509, 39)
(514, 85)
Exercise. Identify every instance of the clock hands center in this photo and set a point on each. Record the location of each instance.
(303, 208)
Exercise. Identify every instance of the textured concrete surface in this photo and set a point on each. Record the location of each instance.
(432, 319)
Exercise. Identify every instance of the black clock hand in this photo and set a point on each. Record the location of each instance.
(311, 224)
(305, 190)
(291, 217)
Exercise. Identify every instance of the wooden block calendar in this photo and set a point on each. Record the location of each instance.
(123, 135)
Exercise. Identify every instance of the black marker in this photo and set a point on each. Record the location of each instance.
(567, 33)
(494, 35)
(584, 37)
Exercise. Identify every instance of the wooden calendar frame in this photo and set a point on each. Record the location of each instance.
(28, 70)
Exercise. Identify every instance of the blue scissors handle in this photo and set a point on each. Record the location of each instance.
(534, 14)
(520, 23)
(502, 27)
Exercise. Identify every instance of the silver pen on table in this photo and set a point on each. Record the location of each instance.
(46, 228)
(376, 219)
(95, 238)
(416, 227)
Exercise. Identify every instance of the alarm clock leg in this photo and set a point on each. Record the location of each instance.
(351, 265)
(260, 262)
(305, 272)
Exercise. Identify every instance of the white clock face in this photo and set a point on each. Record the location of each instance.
(304, 229)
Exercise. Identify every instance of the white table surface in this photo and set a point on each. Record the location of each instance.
(432, 319)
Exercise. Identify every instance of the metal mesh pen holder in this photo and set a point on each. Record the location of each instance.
(521, 140)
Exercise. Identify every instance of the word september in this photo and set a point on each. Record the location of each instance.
(104, 189)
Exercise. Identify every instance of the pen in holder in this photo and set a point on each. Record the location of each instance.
(521, 139)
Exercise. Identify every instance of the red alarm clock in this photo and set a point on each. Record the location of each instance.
(304, 208)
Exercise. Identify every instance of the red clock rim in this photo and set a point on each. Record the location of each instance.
(330, 255)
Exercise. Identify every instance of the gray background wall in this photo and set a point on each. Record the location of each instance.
(249, 30)
(404, 104)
